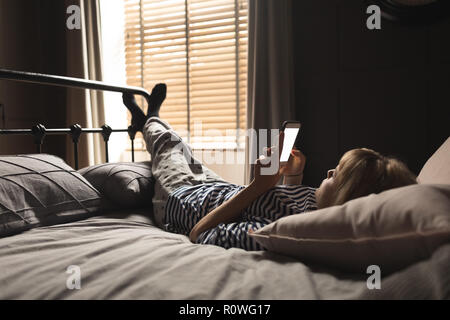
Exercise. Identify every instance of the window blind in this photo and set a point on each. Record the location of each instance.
(199, 49)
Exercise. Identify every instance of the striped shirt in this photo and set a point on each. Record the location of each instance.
(188, 204)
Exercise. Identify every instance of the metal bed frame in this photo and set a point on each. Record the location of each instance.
(39, 131)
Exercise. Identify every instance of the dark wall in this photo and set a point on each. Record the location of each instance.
(385, 89)
(32, 38)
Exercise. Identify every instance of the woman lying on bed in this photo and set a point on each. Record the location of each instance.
(192, 200)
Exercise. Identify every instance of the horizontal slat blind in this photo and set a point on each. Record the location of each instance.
(199, 49)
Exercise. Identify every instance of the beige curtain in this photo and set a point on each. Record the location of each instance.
(85, 107)
(270, 71)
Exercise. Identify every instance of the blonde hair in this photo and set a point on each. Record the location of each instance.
(364, 171)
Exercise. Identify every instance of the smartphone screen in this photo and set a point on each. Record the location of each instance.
(290, 135)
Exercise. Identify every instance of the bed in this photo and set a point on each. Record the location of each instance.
(117, 252)
(123, 256)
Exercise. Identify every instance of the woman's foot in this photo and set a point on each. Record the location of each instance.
(139, 118)
(156, 99)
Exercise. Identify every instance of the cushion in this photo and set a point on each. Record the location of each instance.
(392, 230)
(41, 189)
(437, 168)
(124, 184)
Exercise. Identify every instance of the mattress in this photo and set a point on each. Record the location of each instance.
(123, 255)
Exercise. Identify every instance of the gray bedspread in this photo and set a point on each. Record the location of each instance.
(123, 256)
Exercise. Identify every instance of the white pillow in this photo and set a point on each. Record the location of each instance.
(437, 168)
(392, 230)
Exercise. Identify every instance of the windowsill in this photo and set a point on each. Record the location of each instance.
(218, 149)
(195, 149)
(230, 169)
(139, 145)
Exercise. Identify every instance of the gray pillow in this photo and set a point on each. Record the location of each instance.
(41, 189)
(124, 184)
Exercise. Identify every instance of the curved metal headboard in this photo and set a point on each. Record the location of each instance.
(63, 81)
(39, 131)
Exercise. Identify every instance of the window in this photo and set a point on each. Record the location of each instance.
(199, 49)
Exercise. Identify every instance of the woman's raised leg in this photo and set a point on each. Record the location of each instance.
(173, 164)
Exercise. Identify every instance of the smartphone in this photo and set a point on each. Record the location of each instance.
(291, 130)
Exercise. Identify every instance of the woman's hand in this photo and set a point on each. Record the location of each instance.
(293, 173)
(292, 170)
(296, 164)
(265, 180)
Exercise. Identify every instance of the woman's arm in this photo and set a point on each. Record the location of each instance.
(228, 211)
(293, 179)
(231, 209)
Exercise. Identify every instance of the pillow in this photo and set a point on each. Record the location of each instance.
(125, 184)
(437, 168)
(41, 189)
(392, 230)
